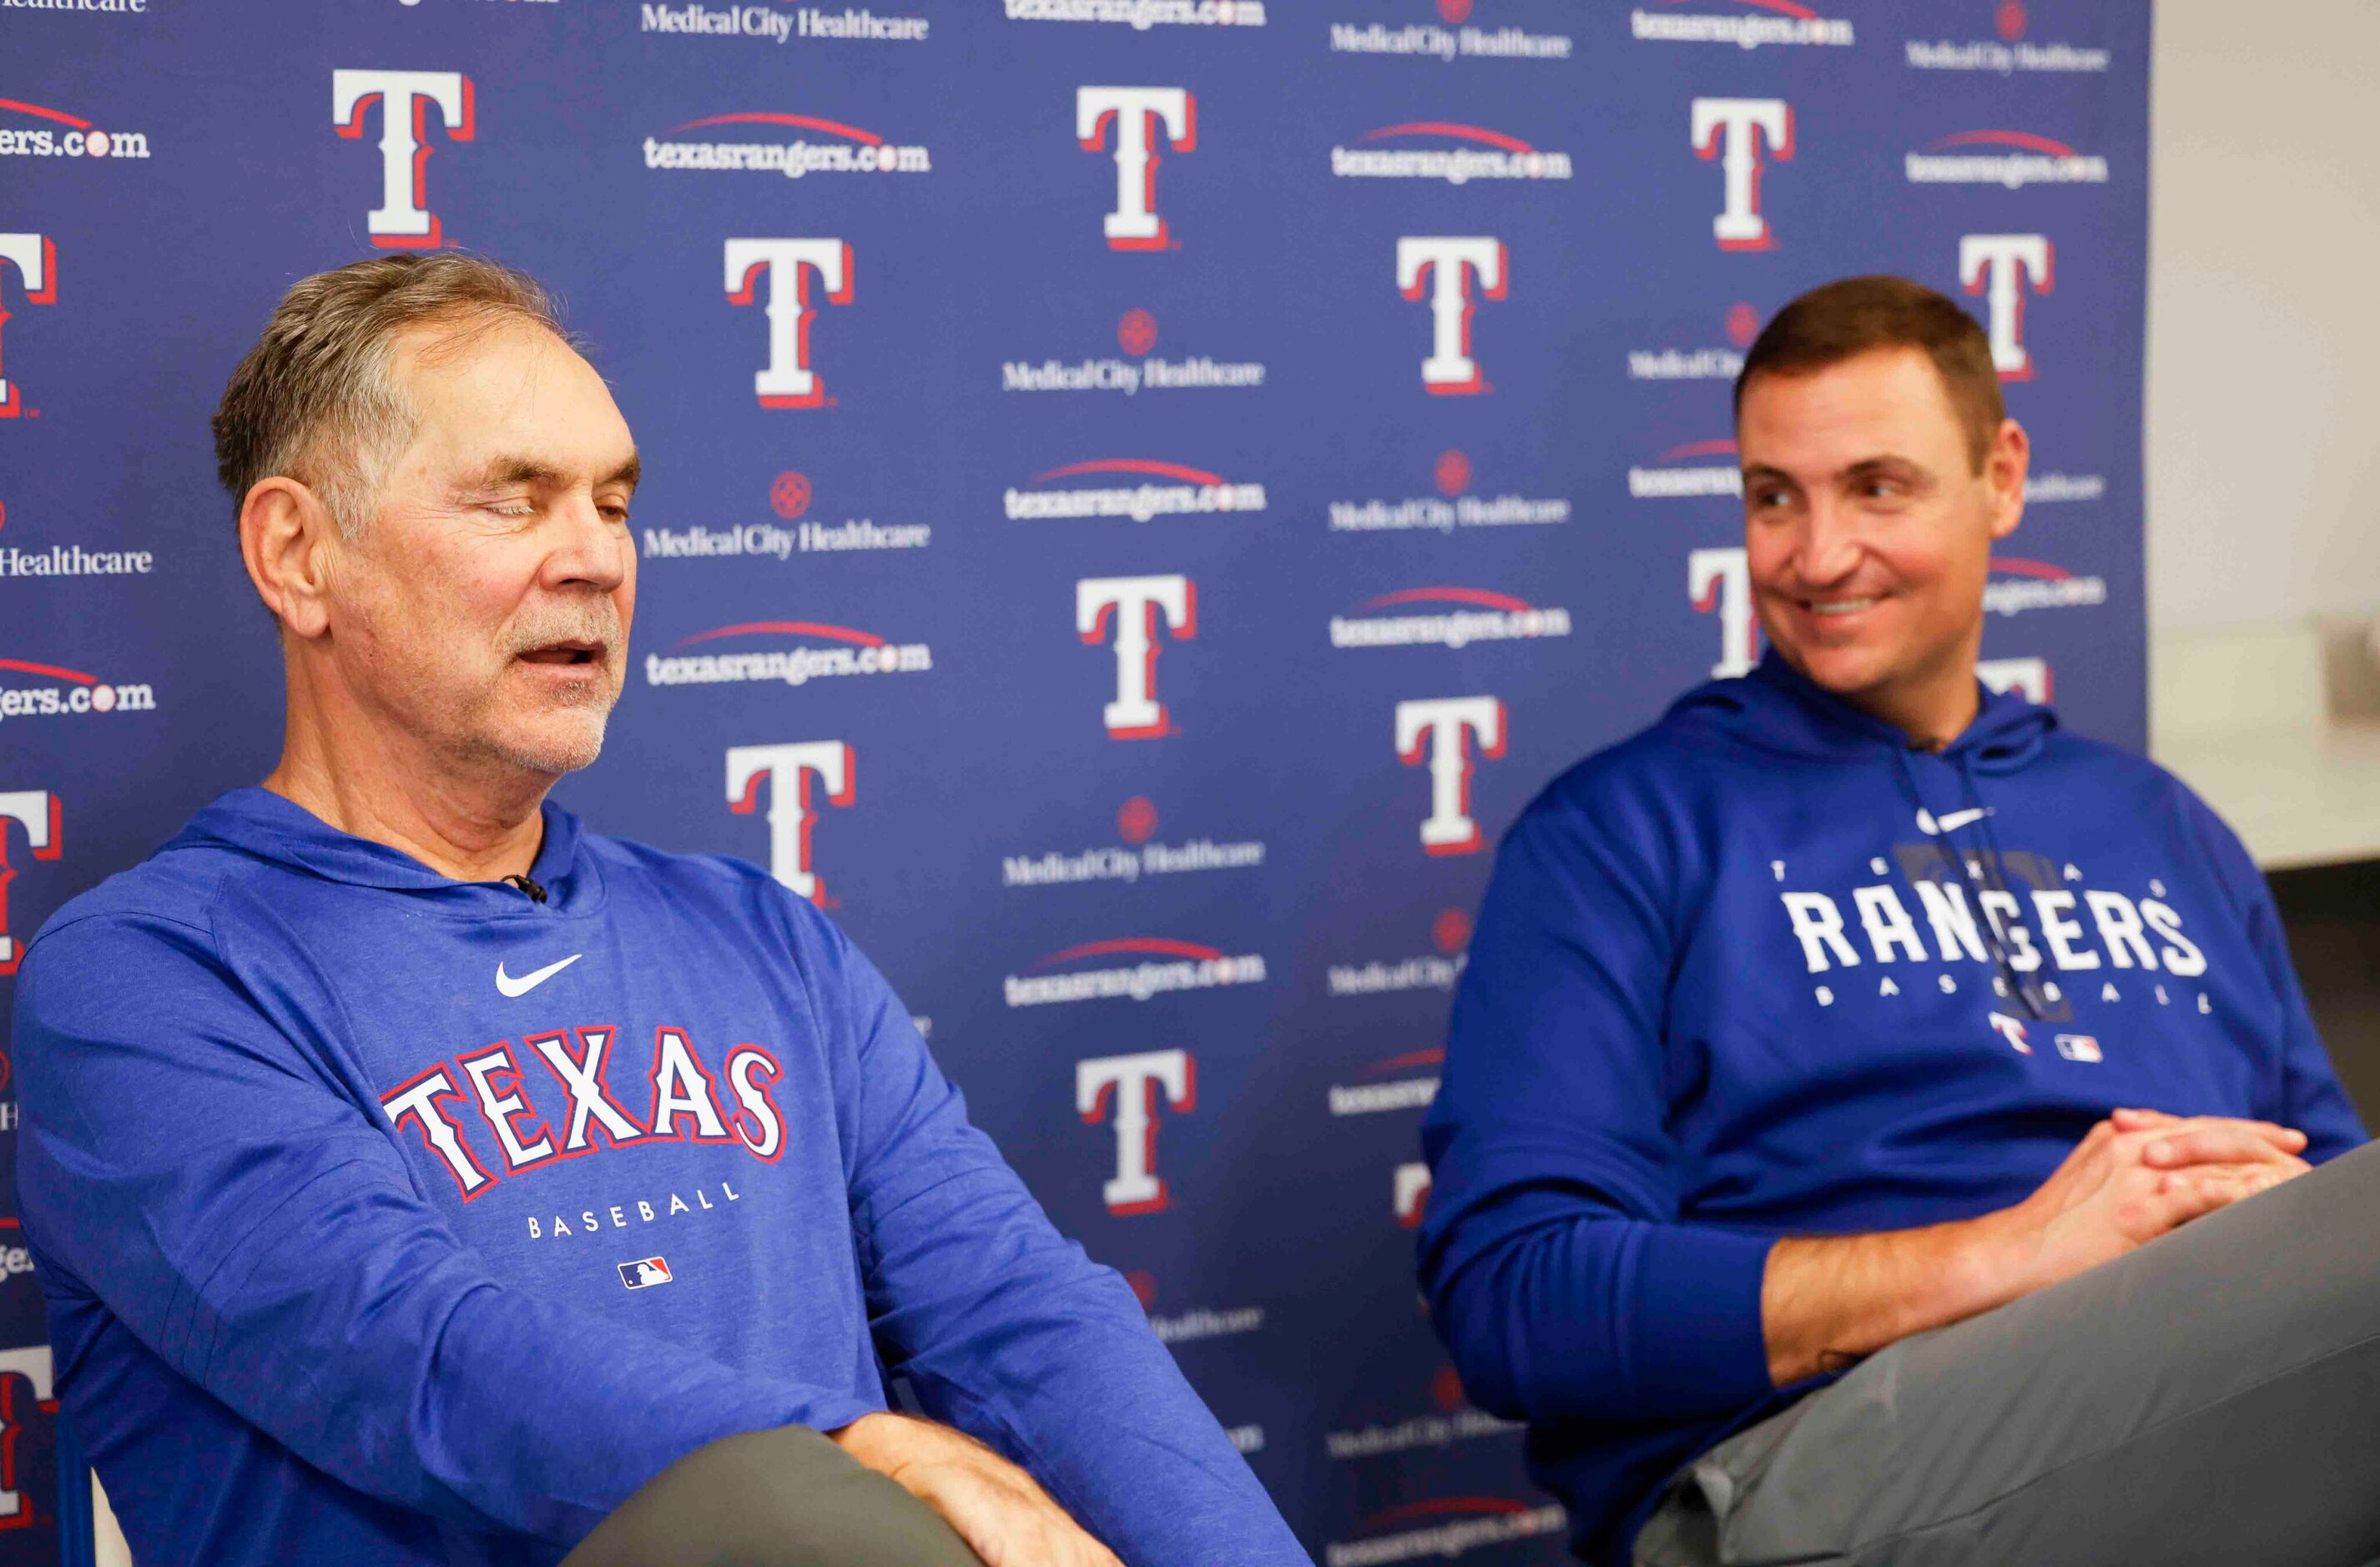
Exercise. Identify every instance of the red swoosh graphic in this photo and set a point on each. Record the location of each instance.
(2014, 567)
(807, 122)
(77, 676)
(1444, 1504)
(1446, 127)
(1411, 1058)
(1131, 464)
(786, 628)
(1700, 449)
(1129, 944)
(1786, 7)
(1453, 595)
(2024, 138)
(58, 115)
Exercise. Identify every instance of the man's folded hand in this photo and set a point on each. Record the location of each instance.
(2139, 1175)
(1825, 1301)
(1001, 1513)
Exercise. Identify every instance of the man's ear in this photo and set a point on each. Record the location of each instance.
(2005, 467)
(286, 536)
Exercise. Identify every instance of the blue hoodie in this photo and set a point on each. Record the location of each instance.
(1763, 970)
(389, 1219)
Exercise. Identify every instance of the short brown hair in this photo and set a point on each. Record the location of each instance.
(313, 400)
(1854, 315)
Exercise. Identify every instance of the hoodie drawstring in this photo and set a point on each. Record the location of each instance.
(2027, 989)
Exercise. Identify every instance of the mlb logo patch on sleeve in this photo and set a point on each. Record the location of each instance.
(644, 1272)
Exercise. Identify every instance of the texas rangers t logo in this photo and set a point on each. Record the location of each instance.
(1729, 129)
(1998, 266)
(1134, 604)
(788, 382)
(2011, 1029)
(34, 1364)
(1409, 1190)
(1126, 1086)
(1441, 729)
(1139, 115)
(402, 221)
(38, 811)
(36, 259)
(789, 769)
(1719, 580)
(1449, 265)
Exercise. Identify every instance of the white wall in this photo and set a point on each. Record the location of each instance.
(2264, 360)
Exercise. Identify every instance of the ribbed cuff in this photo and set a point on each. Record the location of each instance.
(1697, 1340)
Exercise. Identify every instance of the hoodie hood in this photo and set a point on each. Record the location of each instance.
(261, 825)
(1778, 709)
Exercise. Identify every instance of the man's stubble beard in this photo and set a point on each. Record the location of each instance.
(559, 753)
(486, 738)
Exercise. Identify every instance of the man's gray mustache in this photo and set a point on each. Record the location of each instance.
(603, 629)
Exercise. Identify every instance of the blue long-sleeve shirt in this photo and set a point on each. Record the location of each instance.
(1761, 971)
(387, 1219)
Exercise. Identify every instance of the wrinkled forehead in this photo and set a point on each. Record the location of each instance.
(509, 388)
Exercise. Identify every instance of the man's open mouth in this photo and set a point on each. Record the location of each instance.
(566, 653)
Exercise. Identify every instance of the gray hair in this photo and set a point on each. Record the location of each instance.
(313, 400)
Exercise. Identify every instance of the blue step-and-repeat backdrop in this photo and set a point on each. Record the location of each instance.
(1140, 493)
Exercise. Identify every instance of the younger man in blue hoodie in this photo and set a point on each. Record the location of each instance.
(1787, 1179)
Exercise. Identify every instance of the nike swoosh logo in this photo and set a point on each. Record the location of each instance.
(1928, 822)
(529, 982)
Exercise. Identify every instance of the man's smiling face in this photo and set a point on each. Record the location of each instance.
(1867, 528)
(484, 609)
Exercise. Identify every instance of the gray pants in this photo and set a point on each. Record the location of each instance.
(786, 1497)
(2212, 1398)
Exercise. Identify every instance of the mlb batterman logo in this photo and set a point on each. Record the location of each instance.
(788, 382)
(645, 1272)
(1135, 606)
(1731, 129)
(402, 220)
(1448, 266)
(789, 769)
(35, 257)
(1139, 115)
